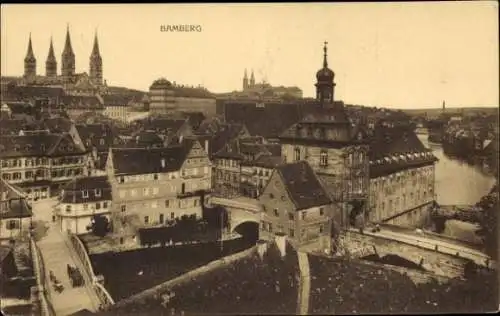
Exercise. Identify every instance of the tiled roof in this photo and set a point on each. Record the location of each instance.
(153, 160)
(302, 185)
(95, 189)
(396, 149)
(58, 125)
(38, 91)
(37, 144)
(268, 121)
(117, 99)
(145, 139)
(224, 135)
(20, 108)
(94, 134)
(17, 207)
(81, 102)
(265, 161)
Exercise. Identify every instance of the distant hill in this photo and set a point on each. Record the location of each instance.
(435, 112)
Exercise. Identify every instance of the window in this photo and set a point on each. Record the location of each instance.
(167, 203)
(270, 228)
(146, 191)
(124, 208)
(195, 202)
(155, 191)
(98, 206)
(155, 176)
(13, 224)
(297, 154)
(146, 219)
(321, 211)
(276, 213)
(172, 215)
(303, 215)
(85, 206)
(291, 216)
(85, 193)
(68, 208)
(105, 205)
(291, 232)
(321, 228)
(97, 192)
(162, 219)
(323, 158)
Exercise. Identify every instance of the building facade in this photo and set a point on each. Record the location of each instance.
(81, 200)
(158, 184)
(41, 163)
(295, 203)
(15, 212)
(402, 177)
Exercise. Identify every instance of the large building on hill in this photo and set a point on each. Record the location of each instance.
(168, 97)
(73, 83)
(153, 186)
(402, 176)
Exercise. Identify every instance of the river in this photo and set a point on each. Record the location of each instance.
(458, 182)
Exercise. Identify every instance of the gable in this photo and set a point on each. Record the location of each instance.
(274, 195)
(65, 146)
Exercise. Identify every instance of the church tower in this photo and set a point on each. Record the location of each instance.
(51, 63)
(30, 61)
(252, 80)
(325, 85)
(245, 81)
(96, 63)
(68, 58)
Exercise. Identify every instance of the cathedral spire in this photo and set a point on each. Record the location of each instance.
(68, 58)
(252, 79)
(29, 54)
(96, 63)
(51, 63)
(325, 60)
(30, 61)
(95, 49)
(68, 49)
(51, 55)
(246, 75)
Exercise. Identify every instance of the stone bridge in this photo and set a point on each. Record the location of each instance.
(445, 260)
(466, 213)
(240, 210)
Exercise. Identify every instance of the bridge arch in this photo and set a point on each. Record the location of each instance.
(249, 229)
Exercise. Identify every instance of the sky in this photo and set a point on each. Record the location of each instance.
(396, 55)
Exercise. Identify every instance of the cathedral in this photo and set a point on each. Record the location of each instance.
(74, 83)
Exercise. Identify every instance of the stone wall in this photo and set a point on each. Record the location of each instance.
(438, 263)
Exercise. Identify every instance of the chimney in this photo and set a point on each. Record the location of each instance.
(206, 146)
(261, 248)
(163, 162)
(280, 240)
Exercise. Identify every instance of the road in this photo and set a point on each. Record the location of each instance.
(57, 253)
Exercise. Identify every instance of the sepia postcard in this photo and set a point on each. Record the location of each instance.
(249, 159)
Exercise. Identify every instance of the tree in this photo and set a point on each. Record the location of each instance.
(100, 225)
(489, 207)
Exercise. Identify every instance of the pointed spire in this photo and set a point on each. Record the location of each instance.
(29, 53)
(68, 49)
(51, 55)
(252, 76)
(246, 76)
(325, 50)
(95, 49)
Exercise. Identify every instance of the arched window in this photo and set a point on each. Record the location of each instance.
(297, 153)
(323, 158)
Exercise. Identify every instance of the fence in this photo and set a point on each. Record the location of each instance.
(185, 277)
(102, 293)
(42, 283)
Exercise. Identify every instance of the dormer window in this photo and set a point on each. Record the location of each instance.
(85, 193)
(101, 141)
(97, 192)
(16, 148)
(297, 153)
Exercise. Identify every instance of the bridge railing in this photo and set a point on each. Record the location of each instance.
(46, 307)
(248, 206)
(100, 290)
(410, 231)
(480, 259)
